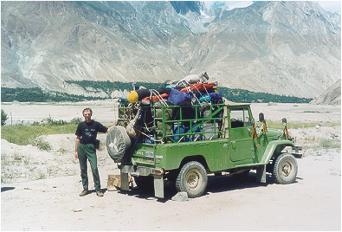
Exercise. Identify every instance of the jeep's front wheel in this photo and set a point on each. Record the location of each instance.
(285, 169)
(192, 179)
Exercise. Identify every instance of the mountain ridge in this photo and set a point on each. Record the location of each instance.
(331, 96)
(259, 48)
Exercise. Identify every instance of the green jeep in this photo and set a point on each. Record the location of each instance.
(184, 148)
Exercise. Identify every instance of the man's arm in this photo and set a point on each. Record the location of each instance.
(102, 128)
(76, 147)
(78, 134)
(109, 128)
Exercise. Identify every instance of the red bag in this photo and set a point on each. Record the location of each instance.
(156, 98)
(198, 87)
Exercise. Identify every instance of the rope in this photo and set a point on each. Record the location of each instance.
(148, 136)
(157, 94)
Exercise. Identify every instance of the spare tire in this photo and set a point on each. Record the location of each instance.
(117, 142)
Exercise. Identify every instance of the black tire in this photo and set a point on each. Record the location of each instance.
(269, 167)
(172, 176)
(218, 174)
(285, 169)
(192, 179)
(144, 183)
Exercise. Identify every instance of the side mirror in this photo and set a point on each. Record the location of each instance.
(250, 122)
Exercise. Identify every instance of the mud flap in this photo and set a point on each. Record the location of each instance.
(124, 181)
(158, 182)
(261, 174)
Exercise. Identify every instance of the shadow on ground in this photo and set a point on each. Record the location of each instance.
(216, 184)
(4, 189)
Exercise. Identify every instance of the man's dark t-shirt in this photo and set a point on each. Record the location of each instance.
(88, 131)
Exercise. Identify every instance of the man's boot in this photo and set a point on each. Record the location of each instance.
(84, 192)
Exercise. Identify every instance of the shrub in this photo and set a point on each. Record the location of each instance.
(62, 151)
(40, 175)
(35, 123)
(26, 134)
(329, 143)
(4, 117)
(76, 120)
(41, 144)
(51, 121)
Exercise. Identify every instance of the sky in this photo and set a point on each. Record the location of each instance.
(332, 6)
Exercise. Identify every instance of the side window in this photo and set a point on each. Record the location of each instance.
(239, 118)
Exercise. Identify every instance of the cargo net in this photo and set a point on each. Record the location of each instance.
(187, 110)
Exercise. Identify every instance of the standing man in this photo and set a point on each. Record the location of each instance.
(85, 149)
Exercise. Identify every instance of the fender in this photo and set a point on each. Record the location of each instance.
(271, 148)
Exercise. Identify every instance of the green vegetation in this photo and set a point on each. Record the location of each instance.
(40, 175)
(76, 120)
(4, 117)
(245, 96)
(329, 143)
(28, 134)
(108, 87)
(297, 125)
(38, 95)
(290, 125)
(237, 95)
(41, 144)
(62, 151)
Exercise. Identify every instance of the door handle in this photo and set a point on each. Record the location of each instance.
(233, 144)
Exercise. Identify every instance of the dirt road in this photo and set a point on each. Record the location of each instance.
(312, 203)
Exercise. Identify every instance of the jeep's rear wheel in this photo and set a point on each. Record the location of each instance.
(285, 169)
(192, 179)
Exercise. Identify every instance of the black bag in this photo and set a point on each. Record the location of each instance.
(97, 144)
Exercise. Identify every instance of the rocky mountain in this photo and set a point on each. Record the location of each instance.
(290, 48)
(331, 96)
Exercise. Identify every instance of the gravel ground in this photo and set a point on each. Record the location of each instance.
(312, 203)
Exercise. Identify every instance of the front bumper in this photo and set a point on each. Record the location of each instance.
(297, 152)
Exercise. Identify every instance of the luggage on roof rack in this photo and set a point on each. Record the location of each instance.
(188, 110)
(158, 123)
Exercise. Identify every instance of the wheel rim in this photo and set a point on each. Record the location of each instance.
(193, 179)
(286, 169)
